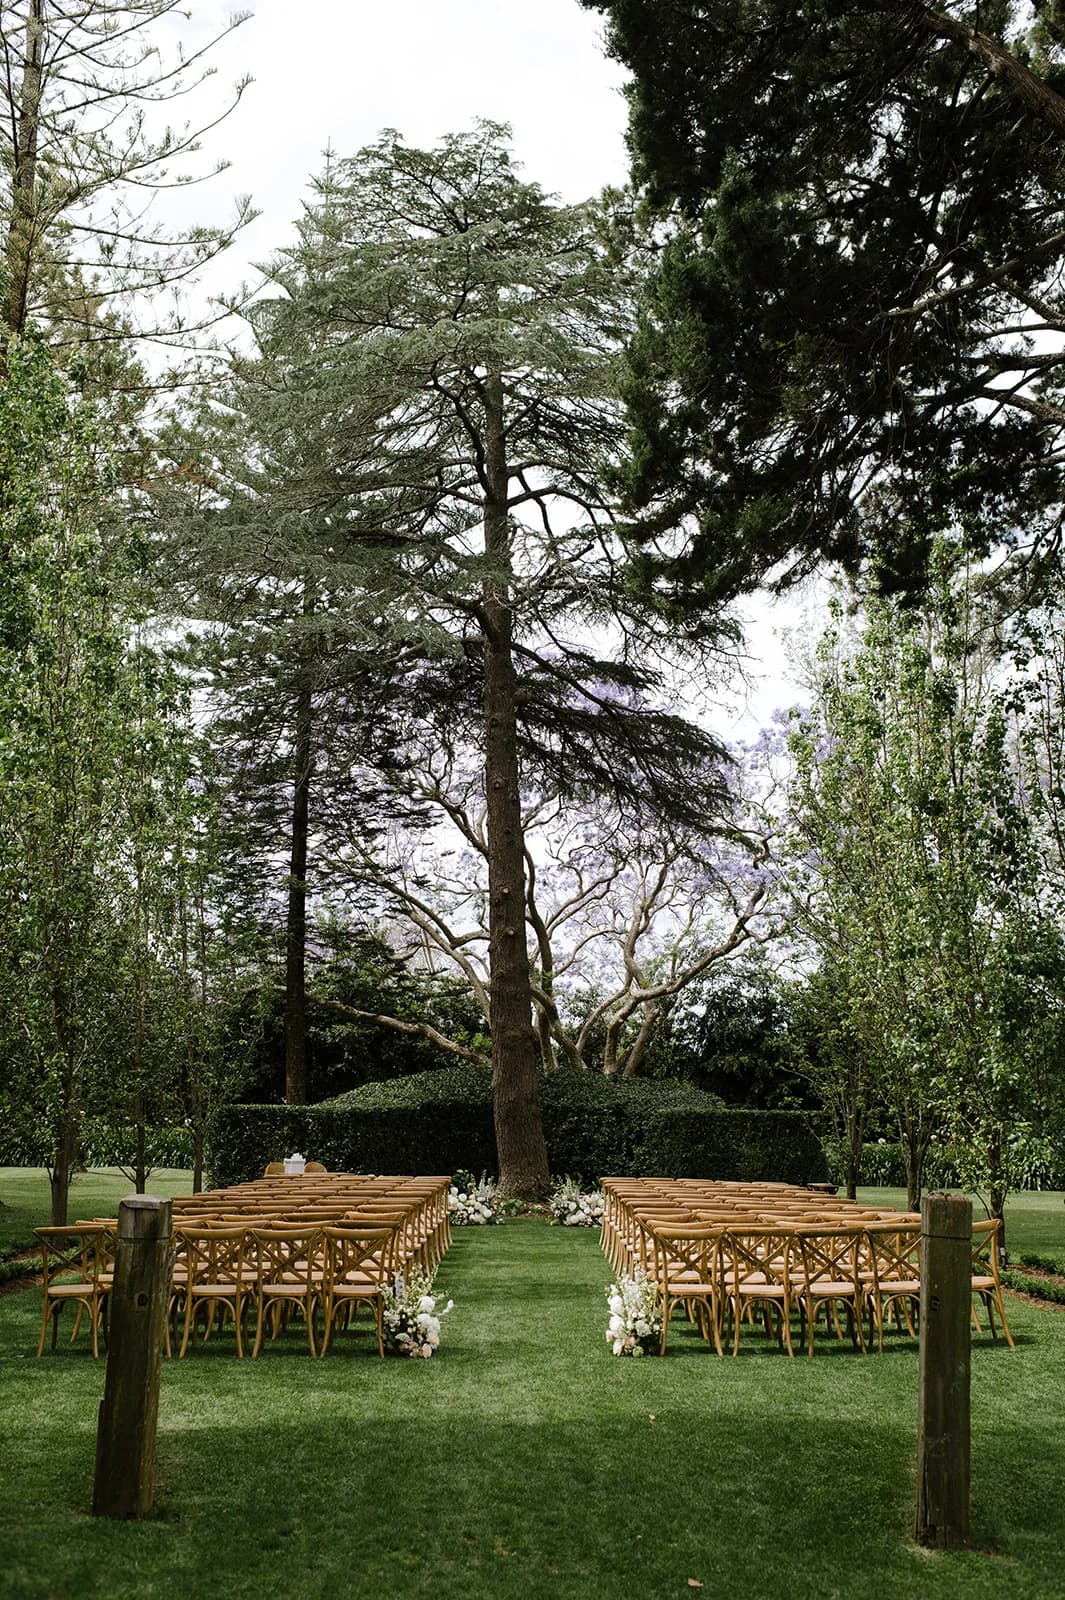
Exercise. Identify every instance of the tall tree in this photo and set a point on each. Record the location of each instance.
(851, 337)
(461, 400)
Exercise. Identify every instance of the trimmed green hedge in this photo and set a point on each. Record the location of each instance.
(102, 1144)
(595, 1126)
(884, 1166)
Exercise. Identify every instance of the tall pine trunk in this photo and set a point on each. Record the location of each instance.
(296, 919)
(520, 1145)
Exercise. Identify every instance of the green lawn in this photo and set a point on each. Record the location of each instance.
(527, 1461)
(25, 1201)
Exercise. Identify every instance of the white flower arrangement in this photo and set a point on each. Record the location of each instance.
(574, 1207)
(411, 1318)
(635, 1326)
(474, 1203)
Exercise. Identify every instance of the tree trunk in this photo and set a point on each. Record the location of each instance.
(63, 1164)
(21, 224)
(854, 1141)
(197, 1155)
(520, 1146)
(296, 921)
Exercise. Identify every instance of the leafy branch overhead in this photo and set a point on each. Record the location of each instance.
(852, 336)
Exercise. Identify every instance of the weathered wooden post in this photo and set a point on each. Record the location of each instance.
(943, 1426)
(125, 1438)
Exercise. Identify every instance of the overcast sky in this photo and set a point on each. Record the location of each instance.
(335, 72)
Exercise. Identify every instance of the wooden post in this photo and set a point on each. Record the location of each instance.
(943, 1427)
(125, 1438)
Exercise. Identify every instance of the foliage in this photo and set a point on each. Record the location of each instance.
(843, 346)
(1038, 1287)
(914, 878)
(82, 150)
(442, 1122)
(354, 977)
(635, 1326)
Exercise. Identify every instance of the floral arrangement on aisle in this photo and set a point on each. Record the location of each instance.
(411, 1318)
(574, 1207)
(635, 1327)
(474, 1202)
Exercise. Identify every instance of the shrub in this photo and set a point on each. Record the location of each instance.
(102, 1144)
(442, 1122)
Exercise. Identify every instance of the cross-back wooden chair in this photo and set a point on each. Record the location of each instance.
(86, 1249)
(219, 1273)
(289, 1274)
(986, 1284)
(892, 1274)
(360, 1265)
(759, 1266)
(687, 1270)
(831, 1266)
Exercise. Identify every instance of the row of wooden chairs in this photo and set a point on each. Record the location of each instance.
(727, 1252)
(313, 1245)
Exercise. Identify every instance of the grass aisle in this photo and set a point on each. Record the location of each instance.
(526, 1461)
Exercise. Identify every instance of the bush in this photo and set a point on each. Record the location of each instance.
(439, 1122)
(102, 1144)
(884, 1167)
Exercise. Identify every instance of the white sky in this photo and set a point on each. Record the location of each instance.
(335, 72)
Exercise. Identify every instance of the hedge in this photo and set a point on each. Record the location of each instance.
(442, 1121)
(102, 1144)
(884, 1166)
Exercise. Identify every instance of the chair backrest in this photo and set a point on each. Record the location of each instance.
(216, 1254)
(274, 1169)
(315, 1166)
(287, 1254)
(89, 1246)
(359, 1255)
(830, 1256)
(686, 1253)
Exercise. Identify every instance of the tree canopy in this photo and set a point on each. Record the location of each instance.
(851, 338)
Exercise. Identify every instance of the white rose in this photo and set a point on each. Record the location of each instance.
(618, 1347)
(427, 1350)
(616, 1326)
(617, 1305)
(427, 1303)
(642, 1330)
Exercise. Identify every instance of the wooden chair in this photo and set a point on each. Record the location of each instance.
(831, 1277)
(758, 1266)
(893, 1274)
(88, 1248)
(360, 1264)
(220, 1277)
(313, 1167)
(986, 1284)
(289, 1272)
(274, 1169)
(687, 1270)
